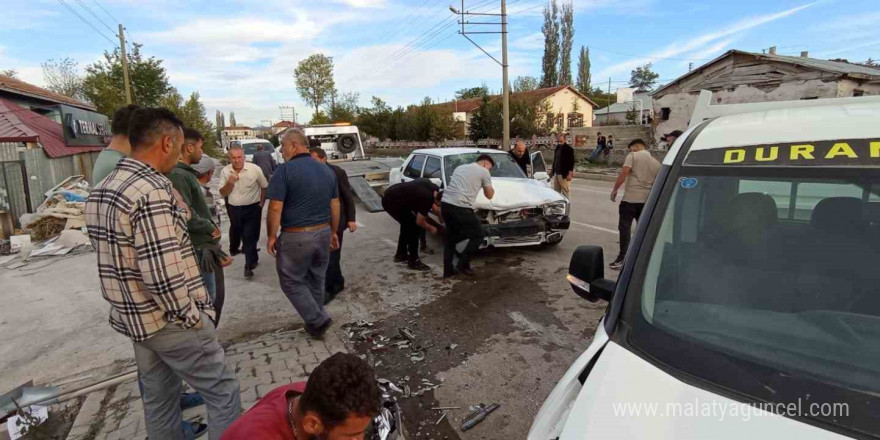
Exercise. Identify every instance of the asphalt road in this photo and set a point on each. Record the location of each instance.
(504, 336)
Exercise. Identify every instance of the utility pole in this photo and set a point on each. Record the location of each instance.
(125, 77)
(503, 63)
(608, 108)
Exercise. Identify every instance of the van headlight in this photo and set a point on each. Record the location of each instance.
(557, 208)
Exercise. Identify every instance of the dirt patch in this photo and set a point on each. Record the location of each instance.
(502, 299)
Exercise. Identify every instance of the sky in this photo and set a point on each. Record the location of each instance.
(240, 55)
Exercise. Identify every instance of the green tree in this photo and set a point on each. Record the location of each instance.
(232, 122)
(103, 83)
(524, 84)
(344, 109)
(376, 120)
(219, 123)
(320, 117)
(61, 76)
(632, 115)
(643, 79)
(192, 113)
(314, 80)
(583, 76)
(12, 73)
(550, 29)
(566, 43)
(472, 92)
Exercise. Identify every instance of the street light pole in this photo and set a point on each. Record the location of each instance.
(506, 112)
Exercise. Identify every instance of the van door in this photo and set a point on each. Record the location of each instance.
(539, 168)
(413, 169)
(433, 171)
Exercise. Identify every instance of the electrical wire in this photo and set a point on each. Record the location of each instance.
(72, 11)
(105, 11)
(89, 10)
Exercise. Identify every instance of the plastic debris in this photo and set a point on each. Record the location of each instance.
(477, 417)
(445, 413)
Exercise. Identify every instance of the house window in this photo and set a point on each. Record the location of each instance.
(575, 119)
(550, 118)
(858, 92)
(664, 113)
(560, 121)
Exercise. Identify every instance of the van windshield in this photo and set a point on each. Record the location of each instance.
(765, 282)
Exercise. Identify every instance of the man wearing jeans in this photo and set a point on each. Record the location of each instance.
(639, 171)
(457, 208)
(151, 279)
(244, 185)
(304, 203)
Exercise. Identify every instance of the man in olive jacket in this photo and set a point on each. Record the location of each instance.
(201, 228)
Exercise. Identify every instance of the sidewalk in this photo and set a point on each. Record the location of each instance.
(261, 364)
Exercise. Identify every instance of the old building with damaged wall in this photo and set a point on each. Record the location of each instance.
(743, 77)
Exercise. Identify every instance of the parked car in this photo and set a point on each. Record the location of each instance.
(524, 211)
(250, 147)
(748, 304)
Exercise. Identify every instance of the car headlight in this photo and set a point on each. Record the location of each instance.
(558, 208)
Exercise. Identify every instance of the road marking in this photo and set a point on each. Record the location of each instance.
(598, 228)
(389, 242)
(590, 190)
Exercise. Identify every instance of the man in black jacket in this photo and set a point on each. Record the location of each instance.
(265, 161)
(563, 167)
(335, 281)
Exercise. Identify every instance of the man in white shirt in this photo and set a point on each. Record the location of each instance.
(244, 186)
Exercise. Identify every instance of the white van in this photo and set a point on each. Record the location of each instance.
(340, 140)
(250, 147)
(749, 303)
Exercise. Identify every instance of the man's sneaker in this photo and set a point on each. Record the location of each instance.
(399, 258)
(467, 270)
(418, 265)
(248, 272)
(427, 250)
(617, 264)
(234, 252)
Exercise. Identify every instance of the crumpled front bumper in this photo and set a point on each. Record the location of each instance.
(528, 232)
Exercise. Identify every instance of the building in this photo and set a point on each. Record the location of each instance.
(230, 134)
(567, 107)
(283, 125)
(615, 114)
(743, 77)
(44, 138)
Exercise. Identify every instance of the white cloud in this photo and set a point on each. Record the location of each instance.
(532, 41)
(701, 41)
(710, 52)
(847, 49)
(363, 3)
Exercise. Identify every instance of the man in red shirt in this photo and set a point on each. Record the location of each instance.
(339, 401)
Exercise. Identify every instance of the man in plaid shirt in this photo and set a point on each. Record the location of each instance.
(151, 279)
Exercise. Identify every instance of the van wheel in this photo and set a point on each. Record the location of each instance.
(346, 144)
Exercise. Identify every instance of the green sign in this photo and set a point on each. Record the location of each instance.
(84, 128)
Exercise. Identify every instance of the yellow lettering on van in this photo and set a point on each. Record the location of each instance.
(761, 157)
(841, 149)
(804, 151)
(734, 156)
(875, 149)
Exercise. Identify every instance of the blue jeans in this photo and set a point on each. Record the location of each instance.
(596, 152)
(302, 259)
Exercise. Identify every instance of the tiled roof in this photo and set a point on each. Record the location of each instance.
(469, 105)
(285, 124)
(12, 85)
(21, 125)
(238, 127)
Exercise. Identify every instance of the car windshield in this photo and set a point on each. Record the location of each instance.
(765, 282)
(251, 148)
(504, 164)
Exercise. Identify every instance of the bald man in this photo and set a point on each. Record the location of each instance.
(521, 156)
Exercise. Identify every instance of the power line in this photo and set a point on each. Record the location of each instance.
(422, 44)
(420, 40)
(89, 10)
(105, 11)
(85, 21)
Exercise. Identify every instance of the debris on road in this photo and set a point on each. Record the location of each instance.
(444, 408)
(476, 417)
(445, 413)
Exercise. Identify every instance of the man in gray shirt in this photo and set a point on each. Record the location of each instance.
(457, 209)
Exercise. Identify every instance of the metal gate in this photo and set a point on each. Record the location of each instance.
(14, 189)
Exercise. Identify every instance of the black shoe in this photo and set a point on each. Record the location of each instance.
(418, 265)
(248, 272)
(234, 252)
(467, 271)
(617, 264)
(427, 250)
(399, 258)
(318, 332)
(450, 274)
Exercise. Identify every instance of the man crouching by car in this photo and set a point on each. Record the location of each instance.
(457, 208)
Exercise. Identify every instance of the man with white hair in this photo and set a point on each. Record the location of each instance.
(304, 204)
(244, 185)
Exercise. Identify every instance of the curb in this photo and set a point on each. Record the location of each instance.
(87, 413)
(594, 176)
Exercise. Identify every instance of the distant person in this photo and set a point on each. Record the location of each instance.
(671, 138)
(639, 171)
(304, 205)
(150, 277)
(521, 156)
(244, 186)
(409, 204)
(335, 281)
(119, 147)
(214, 259)
(205, 170)
(265, 160)
(562, 170)
(601, 147)
(609, 145)
(457, 208)
(339, 401)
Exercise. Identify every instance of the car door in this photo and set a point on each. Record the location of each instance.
(413, 168)
(539, 168)
(433, 170)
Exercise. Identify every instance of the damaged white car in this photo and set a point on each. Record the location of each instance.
(524, 211)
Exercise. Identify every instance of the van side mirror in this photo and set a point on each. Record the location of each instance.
(586, 274)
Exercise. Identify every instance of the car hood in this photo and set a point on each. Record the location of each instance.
(621, 384)
(515, 193)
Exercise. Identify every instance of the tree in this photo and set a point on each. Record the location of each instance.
(565, 45)
(220, 120)
(319, 117)
(314, 80)
(643, 78)
(376, 120)
(550, 29)
(103, 84)
(524, 84)
(870, 63)
(12, 73)
(192, 113)
(232, 120)
(472, 92)
(583, 77)
(632, 115)
(61, 77)
(345, 109)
